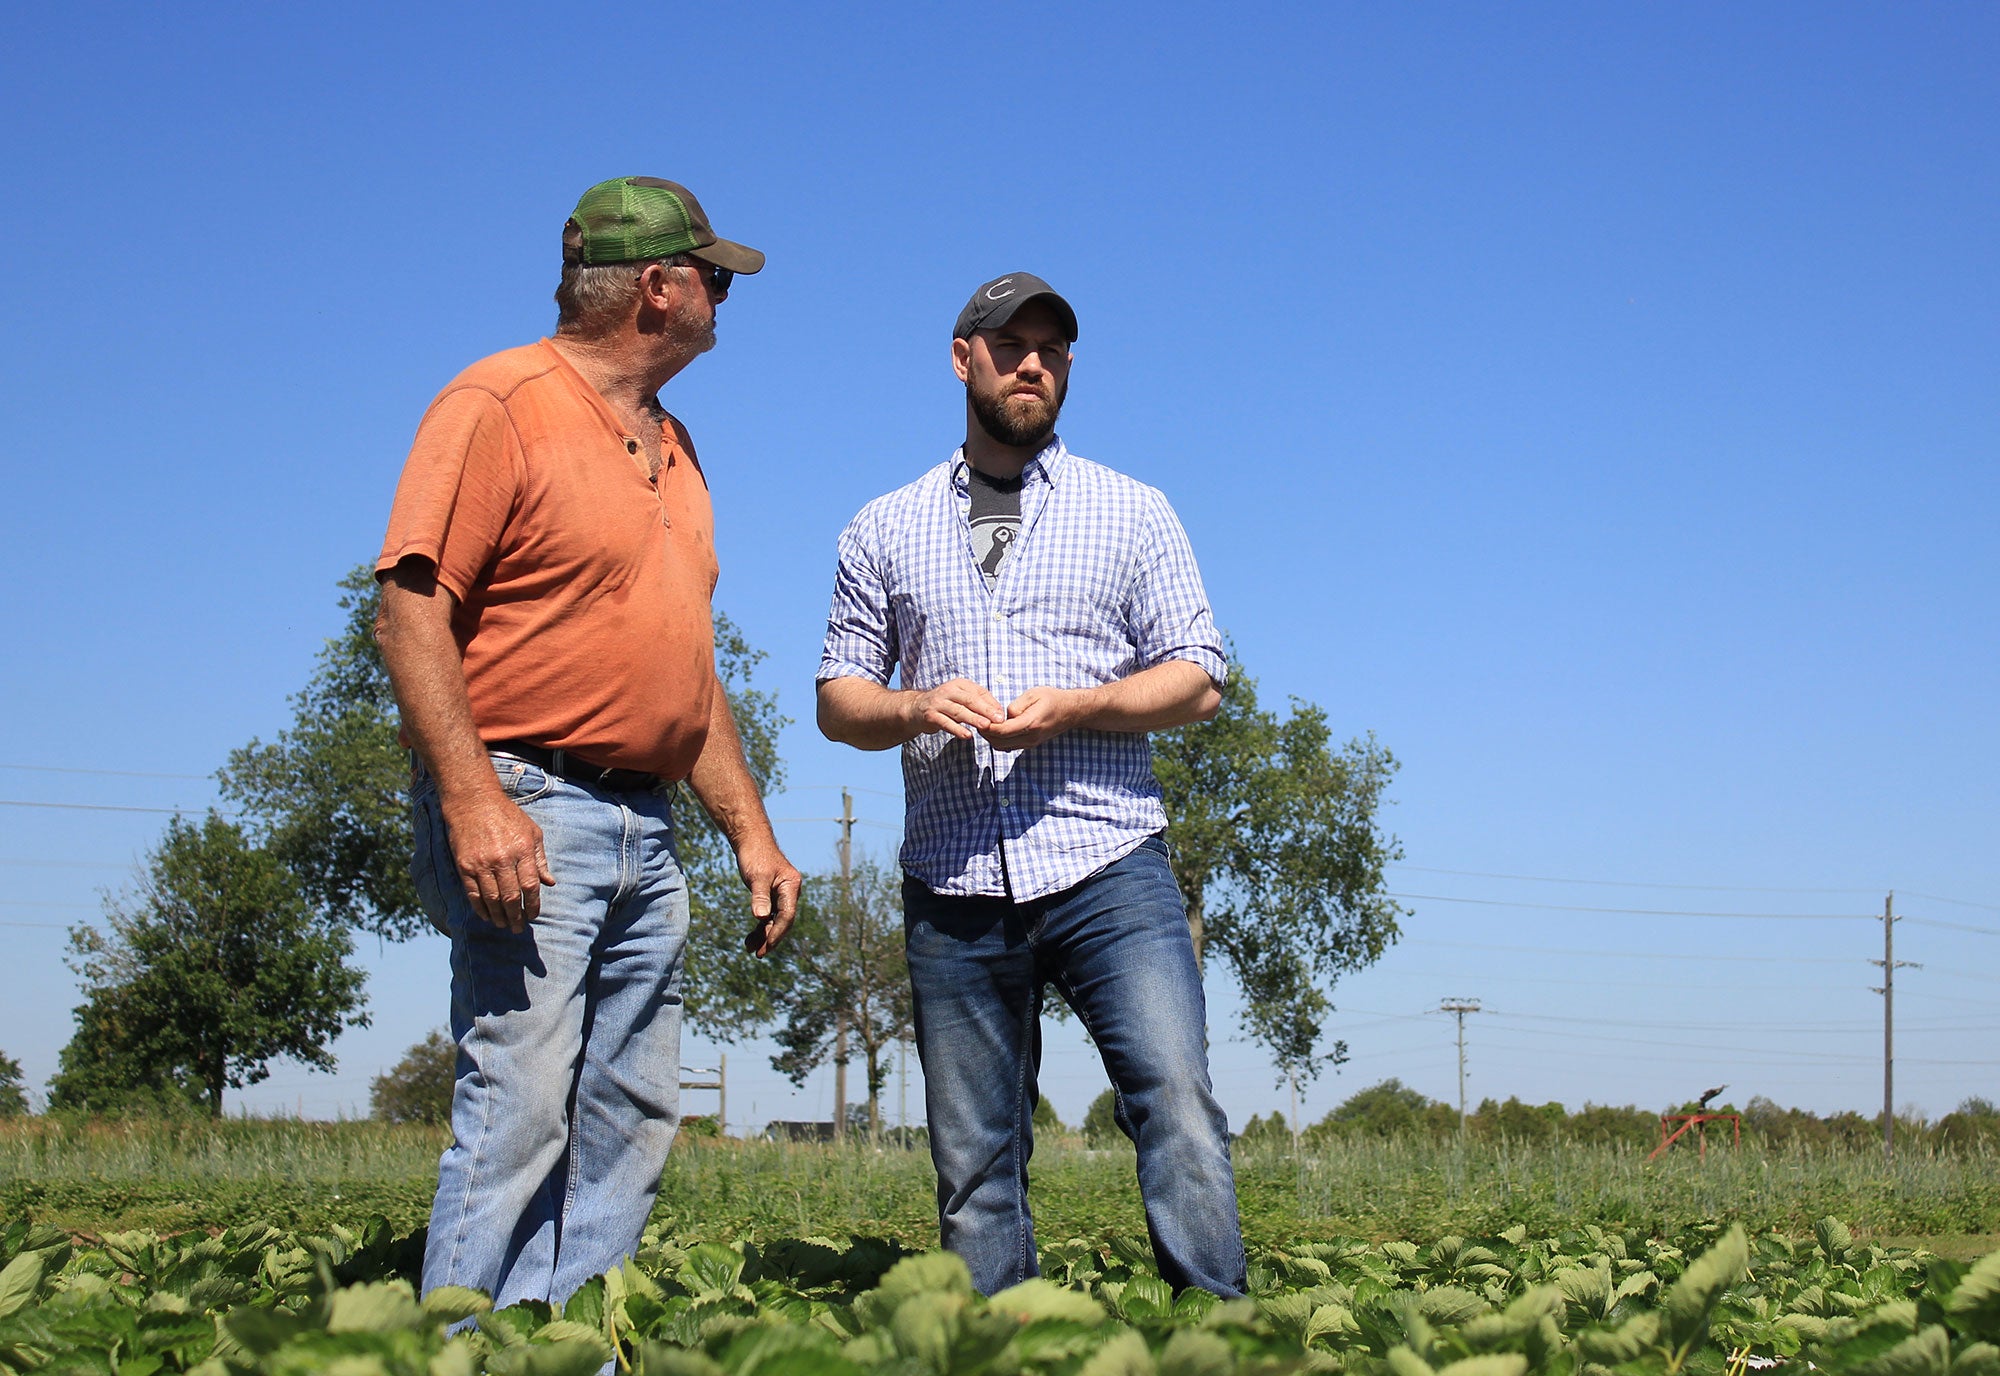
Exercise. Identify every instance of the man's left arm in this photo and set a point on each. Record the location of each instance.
(1174, 635)
(721, 779)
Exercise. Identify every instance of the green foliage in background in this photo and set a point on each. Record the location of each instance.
(725, 990)
(1101, 1127)
(328, 797)
(257, 1299)
(843, 969)
(13, 1091)
(210, 970)
(417, 1089)
(1278, 845)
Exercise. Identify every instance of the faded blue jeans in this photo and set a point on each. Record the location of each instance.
(1117, 948)
(568, 1089)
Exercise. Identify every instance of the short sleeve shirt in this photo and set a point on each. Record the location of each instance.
(583, 584)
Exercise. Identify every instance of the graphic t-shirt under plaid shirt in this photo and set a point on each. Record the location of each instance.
(1099, 584)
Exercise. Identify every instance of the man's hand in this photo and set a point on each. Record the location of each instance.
(960, 707)
(773, 882)
(1038, 715)
(498, 851)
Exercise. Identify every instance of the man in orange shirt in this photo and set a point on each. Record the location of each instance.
(545, 620)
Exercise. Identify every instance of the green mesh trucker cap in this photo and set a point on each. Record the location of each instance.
(632, 219)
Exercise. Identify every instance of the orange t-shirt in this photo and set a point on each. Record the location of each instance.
(583, 587)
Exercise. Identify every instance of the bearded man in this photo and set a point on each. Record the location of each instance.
(546, 623)
(1044, 613)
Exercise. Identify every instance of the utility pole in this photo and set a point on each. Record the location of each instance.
(1889, 965)
(1460, 1007)
(842, 954)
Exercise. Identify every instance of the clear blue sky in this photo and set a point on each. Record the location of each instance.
(1597, 403)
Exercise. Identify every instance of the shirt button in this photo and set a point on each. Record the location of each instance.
(1006, 802)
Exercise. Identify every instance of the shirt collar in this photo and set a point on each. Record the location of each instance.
(1047, 464)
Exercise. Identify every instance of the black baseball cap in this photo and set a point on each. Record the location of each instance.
(995, 303)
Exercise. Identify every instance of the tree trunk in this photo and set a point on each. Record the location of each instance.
(874, 1092)
(1194, 911)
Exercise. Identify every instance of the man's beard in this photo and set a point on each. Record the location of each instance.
(1027, 425)
(688, 330)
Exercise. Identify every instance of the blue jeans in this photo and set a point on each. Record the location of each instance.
(568, 1089)
(1116, 947)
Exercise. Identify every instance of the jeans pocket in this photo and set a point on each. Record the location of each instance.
(427, 837)
(521, 781)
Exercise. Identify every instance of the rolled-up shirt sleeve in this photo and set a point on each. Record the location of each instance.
(1170, 615)
(860, 632)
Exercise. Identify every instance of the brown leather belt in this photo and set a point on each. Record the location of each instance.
(564, 765)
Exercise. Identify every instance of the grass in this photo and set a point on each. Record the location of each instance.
(98, 1177)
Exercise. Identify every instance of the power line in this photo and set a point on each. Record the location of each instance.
(1622, 883)
(1960, 902)
(67, 864)
(1838, 1057)
(104, 807)
(106, 773)
(1628, 912)
(833, 788)
(1953, 926)
(1652, 984)
(1633, 955)
(1818, 1028)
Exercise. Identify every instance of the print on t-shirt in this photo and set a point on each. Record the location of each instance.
(996, 521)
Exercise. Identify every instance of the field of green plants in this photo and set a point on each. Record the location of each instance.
(292, 1247)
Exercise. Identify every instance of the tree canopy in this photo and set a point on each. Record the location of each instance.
(214, 966)
(13, 1093)
(329, 798)
(417, 1089)
(1279, 849)
(843, 968)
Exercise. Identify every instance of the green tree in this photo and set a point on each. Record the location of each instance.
(329, 797)
(843, 969)
(1261, 1131)
(1279, 850)
(1388, 1109)
(724, 988)
(417, 1089)
(104, 1071)
(1045, 1119)
(1100, 1121)
(13, 1092)
(212, 968)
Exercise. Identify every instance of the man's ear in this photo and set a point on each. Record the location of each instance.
(961, 358)
(656, 286)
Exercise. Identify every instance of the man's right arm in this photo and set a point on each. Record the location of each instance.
(864, 714)
(497, 848)
(854, 704)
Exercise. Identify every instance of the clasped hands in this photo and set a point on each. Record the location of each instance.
(962, 707)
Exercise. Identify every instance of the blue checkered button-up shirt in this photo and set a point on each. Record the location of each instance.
(1099, 584)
